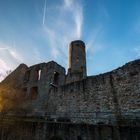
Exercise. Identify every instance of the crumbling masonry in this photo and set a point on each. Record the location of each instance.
(107, 99)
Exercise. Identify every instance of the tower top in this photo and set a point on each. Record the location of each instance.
(77, 61)
(78, 41)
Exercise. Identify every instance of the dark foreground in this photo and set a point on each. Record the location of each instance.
(13, 128)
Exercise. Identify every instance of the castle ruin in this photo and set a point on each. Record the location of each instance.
(90, 107)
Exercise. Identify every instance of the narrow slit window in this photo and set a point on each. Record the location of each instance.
(27, 76)
(39, 74)
(56, 78)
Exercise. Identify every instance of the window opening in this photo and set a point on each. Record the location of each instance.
(24, 89)
(34, 92)
(39, 74)
(77, 59)
(27, 76)
(56, 78)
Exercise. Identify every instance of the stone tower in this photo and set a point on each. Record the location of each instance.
(77, 61)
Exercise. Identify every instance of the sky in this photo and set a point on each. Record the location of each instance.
(36, 31)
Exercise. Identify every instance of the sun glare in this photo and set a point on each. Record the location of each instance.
(0, 104)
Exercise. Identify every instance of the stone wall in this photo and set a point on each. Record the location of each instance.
(38, 81)
(102, 107)
(105, 98)
(112, 95)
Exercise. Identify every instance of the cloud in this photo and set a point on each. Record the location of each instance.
(55, 52)
(97, 33)
(3, 48)
(93, 43)
(3, 68)
(15, 55)
(9, 58)
(68, 3)
(6, 50)
(64, 24)
(37, 55)
(79, 20)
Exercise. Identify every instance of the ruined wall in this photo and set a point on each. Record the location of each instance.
(102, 107)
(38, 81)
(11, 94)
(108, 96)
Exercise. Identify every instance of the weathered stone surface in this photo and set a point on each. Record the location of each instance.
(100, 98)
(16, 77)
(111, 99)
(51, 74)
(11, 94)
(77, 62)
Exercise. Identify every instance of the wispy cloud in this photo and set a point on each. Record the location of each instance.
(9, 58)
(3, 68)
(37, 55)
(10, 50)
(3, 48)
(68, 3)
(97, 32)
(79, 20)
(15, 55)
(64, 23)
(94, 44)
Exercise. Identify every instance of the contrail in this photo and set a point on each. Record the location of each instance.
(44, 13)
(3, 48)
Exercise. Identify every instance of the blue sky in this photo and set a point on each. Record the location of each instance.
(35, 31)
